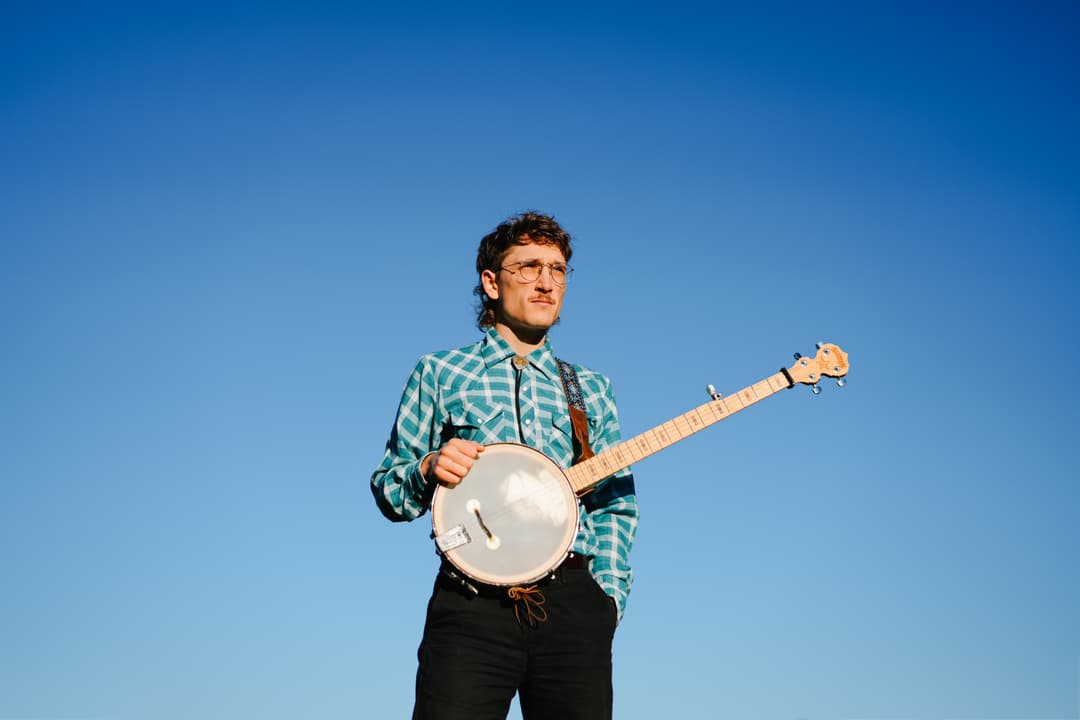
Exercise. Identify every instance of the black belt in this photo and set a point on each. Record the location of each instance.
(574, 561)
(452, 578)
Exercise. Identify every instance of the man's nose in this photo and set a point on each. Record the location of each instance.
(546, 278)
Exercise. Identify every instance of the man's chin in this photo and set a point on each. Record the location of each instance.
(544, 323)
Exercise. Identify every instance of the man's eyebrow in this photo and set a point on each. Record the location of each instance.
(526, 261)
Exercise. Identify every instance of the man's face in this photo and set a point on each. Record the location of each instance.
(527, 307)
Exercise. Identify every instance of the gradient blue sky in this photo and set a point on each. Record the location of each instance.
(227, 231)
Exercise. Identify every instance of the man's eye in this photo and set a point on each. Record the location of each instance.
(532, 265)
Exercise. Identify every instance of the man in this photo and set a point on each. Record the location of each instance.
(550, 642)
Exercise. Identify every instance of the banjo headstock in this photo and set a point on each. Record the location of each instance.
(830, 361)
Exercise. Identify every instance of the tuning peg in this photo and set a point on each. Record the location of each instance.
(798, 356)
(712, 392)
(841, 382)
(819, 344)
(816, 389)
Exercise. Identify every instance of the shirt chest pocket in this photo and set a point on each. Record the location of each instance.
(558, 440)
(478, 421)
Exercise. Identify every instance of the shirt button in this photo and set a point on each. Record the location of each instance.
(528, 421)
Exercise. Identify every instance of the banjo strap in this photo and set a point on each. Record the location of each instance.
(576, 401)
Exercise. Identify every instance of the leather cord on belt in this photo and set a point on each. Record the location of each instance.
(531, 601)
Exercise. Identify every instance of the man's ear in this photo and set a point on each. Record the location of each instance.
(491, 288)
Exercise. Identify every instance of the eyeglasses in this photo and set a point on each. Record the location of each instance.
(530, 270)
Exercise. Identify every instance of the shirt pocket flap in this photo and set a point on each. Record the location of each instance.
(475, 420)
(562, 423)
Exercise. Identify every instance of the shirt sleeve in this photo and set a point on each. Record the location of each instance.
(611, 510)
(400, 489)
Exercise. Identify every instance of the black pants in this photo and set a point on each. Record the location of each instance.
(475, 654)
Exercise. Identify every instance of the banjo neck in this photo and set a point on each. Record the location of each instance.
(830, 361)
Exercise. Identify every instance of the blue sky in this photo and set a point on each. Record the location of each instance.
(228, 231)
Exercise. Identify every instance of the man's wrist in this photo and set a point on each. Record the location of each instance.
(425, 466)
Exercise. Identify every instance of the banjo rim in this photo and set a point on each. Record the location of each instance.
(537, 571)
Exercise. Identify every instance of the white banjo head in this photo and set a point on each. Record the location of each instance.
(511, 520)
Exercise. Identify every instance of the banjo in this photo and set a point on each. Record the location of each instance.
(512, 520)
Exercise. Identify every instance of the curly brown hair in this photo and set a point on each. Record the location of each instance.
(527, 227)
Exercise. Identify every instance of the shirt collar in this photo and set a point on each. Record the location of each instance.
(496, 350)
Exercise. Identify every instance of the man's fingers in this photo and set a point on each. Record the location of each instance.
(446, 478)
(454, 466)
(454, 461)
(467, 448)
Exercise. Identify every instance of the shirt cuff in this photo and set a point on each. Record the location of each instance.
(418, 484)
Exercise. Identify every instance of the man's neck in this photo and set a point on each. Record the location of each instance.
(522, 343)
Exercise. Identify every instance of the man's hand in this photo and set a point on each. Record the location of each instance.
(450, 463)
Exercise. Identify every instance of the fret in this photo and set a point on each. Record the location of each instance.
(621, 454)
(617, 451)
(733, 404)
(652, 440)
(669, 433)
(714, 410)
(674, 431)
(574, 474)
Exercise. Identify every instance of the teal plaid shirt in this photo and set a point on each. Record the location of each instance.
(470, 393)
